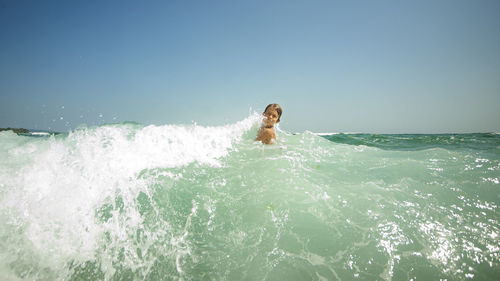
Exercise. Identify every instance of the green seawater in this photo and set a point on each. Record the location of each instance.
(128, 202)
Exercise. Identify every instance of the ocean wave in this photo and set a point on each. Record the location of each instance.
(186, 202)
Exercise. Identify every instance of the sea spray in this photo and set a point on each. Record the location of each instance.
(187, 202)
(55, 197)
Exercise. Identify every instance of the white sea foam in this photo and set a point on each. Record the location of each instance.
(337, 133)
(39, 133)
(53, 198)
(326, 134)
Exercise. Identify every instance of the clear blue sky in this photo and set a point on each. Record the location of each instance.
(334, 66)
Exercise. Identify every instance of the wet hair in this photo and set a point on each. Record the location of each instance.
(275, 106)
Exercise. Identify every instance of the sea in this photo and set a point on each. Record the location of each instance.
(188, 202)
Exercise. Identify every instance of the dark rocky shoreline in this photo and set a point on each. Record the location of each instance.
(16, 130)
(31, 133)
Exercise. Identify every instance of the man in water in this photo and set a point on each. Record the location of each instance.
(272, 115)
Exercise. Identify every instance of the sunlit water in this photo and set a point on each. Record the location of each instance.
(133, 202)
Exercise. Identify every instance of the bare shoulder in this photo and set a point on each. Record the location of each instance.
(266, 135)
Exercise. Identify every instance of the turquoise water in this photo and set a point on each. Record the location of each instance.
(174, 202)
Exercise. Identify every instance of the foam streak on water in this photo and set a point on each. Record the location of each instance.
(128, 202)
